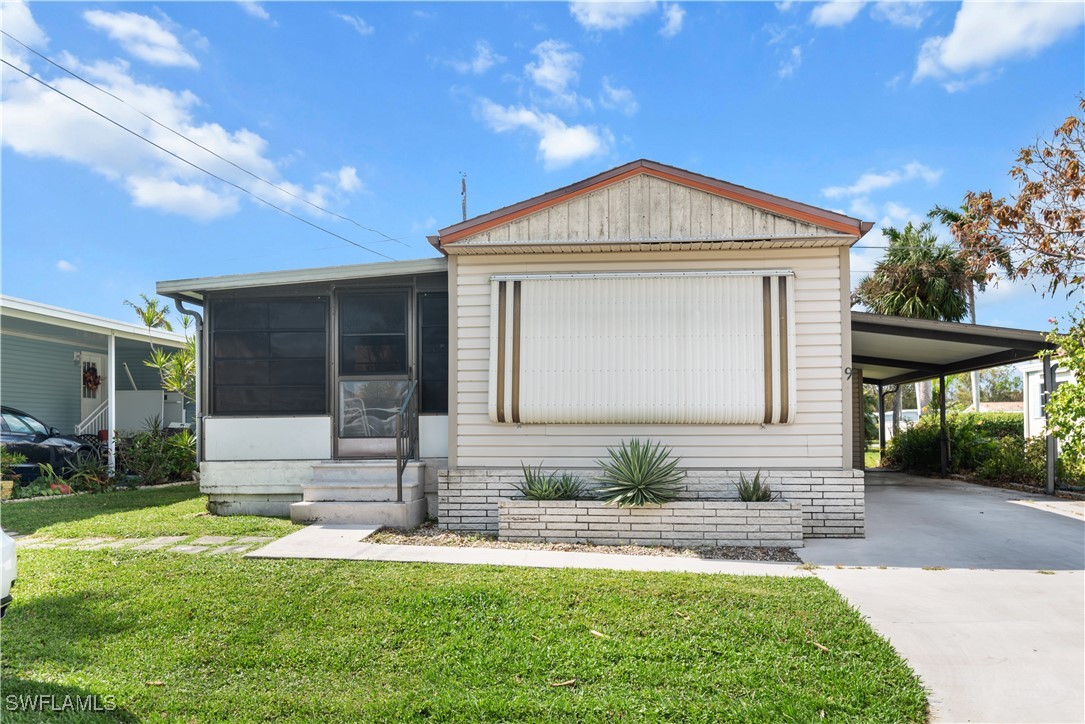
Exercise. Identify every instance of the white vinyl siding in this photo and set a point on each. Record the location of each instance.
(642, 348)
(813, 439)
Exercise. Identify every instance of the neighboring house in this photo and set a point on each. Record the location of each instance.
(1032, 374)
(644, 302)
(1007, 406)
(66, 368)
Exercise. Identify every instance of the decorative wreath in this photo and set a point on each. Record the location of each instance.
(91, 380)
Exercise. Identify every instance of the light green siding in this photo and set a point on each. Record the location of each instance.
(42, 378)
(133, 354)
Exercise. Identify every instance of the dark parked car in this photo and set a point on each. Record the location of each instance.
(26, 434)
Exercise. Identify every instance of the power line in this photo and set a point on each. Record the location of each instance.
(195, 166)
(197, 143)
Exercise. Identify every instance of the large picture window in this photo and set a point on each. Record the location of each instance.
(269, 357)
(664, 348)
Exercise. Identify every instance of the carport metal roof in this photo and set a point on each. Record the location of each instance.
(898, 350)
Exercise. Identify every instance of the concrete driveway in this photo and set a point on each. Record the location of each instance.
(982, 591)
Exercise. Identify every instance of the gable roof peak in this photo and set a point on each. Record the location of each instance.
(768, 202)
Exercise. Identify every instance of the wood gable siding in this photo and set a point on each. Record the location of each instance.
(814, 440)
(646, 208)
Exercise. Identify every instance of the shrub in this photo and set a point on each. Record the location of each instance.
(754, 491)
(8, 461)
(156, 457)
(89, 473)
(639, 473)
(972, 435)
(538, 485)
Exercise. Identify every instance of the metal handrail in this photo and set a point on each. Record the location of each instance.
(406, 450)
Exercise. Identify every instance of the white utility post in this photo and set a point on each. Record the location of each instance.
(111, 391)
(975, 373)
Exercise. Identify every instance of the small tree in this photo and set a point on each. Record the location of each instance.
(1066, 405)
(1038, 233)
(152, 313)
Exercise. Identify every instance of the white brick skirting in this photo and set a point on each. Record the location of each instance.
(832, 500)
(682, 523)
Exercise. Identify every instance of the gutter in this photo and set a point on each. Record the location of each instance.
(180, 306)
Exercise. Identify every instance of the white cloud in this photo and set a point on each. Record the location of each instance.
(559, 144)
(618, 98)
(785, 6)
(791, 63)
(869, 182)
(484, 59)
(599, 15)
(356, 22)
(187, 199)
(254, 9)
(347, 180)
(42, 124)
(15, 18)
(673, 16)
(142, 37)
(835, 13)
(63, 265)
(986, 34)
(902, 13)
(555, 69)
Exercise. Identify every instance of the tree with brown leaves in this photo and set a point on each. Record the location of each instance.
(1038, 234)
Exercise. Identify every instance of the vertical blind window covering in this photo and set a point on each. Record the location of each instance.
(667, 348)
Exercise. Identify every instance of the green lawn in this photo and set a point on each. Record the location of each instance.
(170, 636)
(200, 638)
(144, 513)
(871, 459)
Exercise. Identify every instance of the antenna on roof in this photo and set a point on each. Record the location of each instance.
(463, 193)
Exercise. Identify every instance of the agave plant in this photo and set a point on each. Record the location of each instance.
(640, 473)
(538, 485)
(754, 491)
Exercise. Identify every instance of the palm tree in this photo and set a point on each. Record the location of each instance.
(919, 278)
(152, 313)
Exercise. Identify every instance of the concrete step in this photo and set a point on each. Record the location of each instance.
(384, 491)
(366, 471)
(394, 515)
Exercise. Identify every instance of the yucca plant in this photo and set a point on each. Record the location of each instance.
(538, 485)
(639, 473)
(754, 491)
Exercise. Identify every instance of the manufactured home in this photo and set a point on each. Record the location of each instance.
(81, 373)
(645, 302)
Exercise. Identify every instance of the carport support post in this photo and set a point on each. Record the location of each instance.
(944, 436)
(881, 422)
(1052, 446)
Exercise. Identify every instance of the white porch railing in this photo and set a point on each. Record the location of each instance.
(95, 421)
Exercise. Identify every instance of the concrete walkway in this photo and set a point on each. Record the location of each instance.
(347, 542)
(209, 544)
(984, 595)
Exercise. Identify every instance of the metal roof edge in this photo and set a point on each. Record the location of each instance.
(195, 287)
(73, 319)
(936, 325)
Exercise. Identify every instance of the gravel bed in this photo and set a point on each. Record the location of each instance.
(428, 534)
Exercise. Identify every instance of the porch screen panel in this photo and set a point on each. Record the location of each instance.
(690, 348)
(269, 357)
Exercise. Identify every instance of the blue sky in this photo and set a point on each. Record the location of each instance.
(372, 110)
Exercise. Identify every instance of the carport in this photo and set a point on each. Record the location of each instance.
(892, 351)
